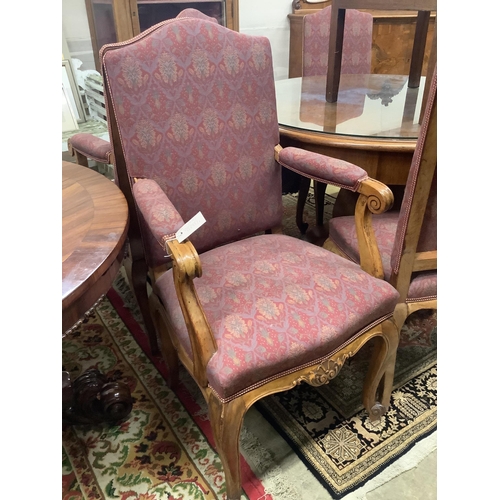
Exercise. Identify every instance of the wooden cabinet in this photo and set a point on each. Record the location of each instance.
(393, 35)
(113, 21)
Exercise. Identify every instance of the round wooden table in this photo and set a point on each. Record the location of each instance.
(94, 229)
(374, 124)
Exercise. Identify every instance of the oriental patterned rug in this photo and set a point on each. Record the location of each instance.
(330, 430)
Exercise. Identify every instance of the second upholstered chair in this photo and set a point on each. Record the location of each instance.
(193, 123)
(405, 253)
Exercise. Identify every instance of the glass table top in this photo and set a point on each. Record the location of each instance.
(379, 106)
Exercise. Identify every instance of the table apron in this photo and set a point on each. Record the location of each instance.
(76, 311)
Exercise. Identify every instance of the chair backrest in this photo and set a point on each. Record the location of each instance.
(415, 247)
(356, 55)
(192, 106)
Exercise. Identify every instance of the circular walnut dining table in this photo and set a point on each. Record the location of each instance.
(374, 124)
(95, 221)
(94, 229)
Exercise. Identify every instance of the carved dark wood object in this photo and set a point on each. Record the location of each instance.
(95, 399)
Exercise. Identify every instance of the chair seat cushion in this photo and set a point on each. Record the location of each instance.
(276, 303)
(342, 231)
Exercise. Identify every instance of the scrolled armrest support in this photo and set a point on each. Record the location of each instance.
(186, 260)
(379, 197)
(187, 267)
(375, 198)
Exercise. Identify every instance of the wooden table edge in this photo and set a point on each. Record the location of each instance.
(399, 145)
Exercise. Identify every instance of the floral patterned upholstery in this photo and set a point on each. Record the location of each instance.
(196, 111)
(316, 166)
(356, 54)
(99, 149)
(276, 303)
(342, 231)
(158, 216)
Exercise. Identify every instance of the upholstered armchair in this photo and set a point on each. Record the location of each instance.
(405, 253)
(248, 311)
(357, 47)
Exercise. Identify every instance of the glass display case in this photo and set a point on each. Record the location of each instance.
(119, 20)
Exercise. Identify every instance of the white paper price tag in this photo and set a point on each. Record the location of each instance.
(190, 227)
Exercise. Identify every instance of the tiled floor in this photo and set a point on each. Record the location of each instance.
(418, 483)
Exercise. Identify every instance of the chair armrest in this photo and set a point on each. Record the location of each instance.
(163, 220)
(321, 168)
(187, 267)
(159, 214)
(91, 146)
(375, 197)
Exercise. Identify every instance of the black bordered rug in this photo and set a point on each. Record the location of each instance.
(331, 432)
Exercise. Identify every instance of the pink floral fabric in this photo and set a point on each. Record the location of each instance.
(356, 52)
(275, 303)
(423, 286)
(323, 168)
(196, 111)
(92, 147)
(342, 230)
(158, 217)
(428, 235)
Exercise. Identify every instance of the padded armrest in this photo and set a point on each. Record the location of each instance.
(158, 212)
(322, 168)
(91, 146)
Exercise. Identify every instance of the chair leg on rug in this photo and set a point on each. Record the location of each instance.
(139, 272)
(226, 420)
(379, 379)
(167, 348)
